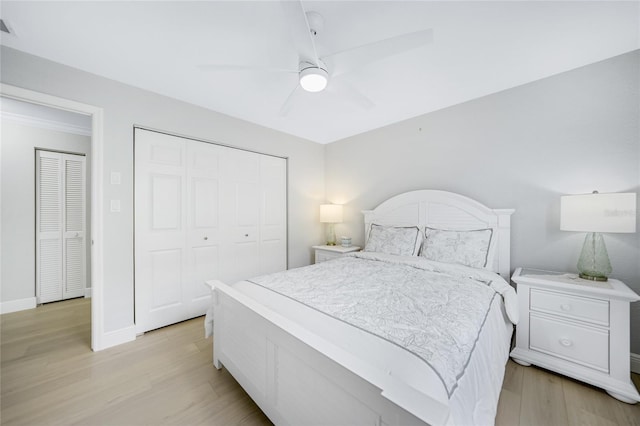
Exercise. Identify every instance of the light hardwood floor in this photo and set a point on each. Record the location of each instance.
(50, 376)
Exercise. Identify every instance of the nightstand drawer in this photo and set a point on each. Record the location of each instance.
(322, 256)
(324, 253)
(576, 307)
(582, 345)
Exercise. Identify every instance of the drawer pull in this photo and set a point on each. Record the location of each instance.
(565, 307)
(566, 342)
(206, 238)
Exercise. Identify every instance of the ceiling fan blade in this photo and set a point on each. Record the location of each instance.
(357, 57)
(348, 91)
(234, 68)
(288, 103)
(303, 40)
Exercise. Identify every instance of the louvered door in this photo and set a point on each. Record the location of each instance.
(74, 248)
(60, 226)
(49, 226)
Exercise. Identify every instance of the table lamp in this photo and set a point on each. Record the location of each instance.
(331, 214)
(596, 213)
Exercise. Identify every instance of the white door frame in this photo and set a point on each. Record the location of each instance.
(97, 225)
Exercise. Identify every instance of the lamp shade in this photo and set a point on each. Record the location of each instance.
(598, 212)
(330, 213)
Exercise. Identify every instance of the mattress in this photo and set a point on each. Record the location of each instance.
(473, 399)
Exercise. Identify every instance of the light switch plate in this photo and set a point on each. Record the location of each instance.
(116, 178)
(115, 205)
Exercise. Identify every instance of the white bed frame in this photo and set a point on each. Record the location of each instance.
(297, 377)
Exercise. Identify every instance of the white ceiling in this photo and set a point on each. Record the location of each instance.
(479, 48)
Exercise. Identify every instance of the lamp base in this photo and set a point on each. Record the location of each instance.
(592, 278)
(594, 261)
(331, 234)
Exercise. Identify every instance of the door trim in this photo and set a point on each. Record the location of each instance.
(98, 335)
(178, 135)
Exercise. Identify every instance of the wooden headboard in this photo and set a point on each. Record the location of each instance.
(447, 210)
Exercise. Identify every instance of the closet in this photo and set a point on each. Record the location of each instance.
(60, 226)
(202, 211)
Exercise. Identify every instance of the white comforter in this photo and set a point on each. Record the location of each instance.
(435, 311)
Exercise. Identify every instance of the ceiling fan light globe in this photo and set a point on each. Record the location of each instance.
(314, 79)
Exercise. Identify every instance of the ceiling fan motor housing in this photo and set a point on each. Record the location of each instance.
(313, 78)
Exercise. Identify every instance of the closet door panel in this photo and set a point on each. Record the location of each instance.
(203, 233)
(166, 271)
(160, 244)
(273, 215)
(204, 242)
(165, 191)
(206, 266)
(204, 204)
(49, 276)
(74, 276)
(74, 268)
(246, 260)
(240, 215)
(49, 216)
(246, 205)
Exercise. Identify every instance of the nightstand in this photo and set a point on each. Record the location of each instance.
(324, 253)
(576, 327)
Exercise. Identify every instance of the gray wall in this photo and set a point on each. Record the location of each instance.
(18, 201)
(125, 106)
(522, 148)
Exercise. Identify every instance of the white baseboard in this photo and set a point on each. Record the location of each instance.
(635, 363)
(117, 337)
(17, 305)
(87, 293)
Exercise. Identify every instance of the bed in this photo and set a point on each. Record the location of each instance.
(399, 334)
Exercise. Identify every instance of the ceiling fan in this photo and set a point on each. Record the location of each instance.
(315, 72)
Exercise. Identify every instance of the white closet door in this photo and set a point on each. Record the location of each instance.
(273, 214)
(254, 193)
(60, 224)
(203, 224)
(48, 226)
(202, 212)
(74, 231)
(160, 244)
(240, 190)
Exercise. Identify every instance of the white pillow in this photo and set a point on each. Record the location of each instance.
(470, 248)
(402, 241)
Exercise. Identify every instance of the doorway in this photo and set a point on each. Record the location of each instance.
(98, 338)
